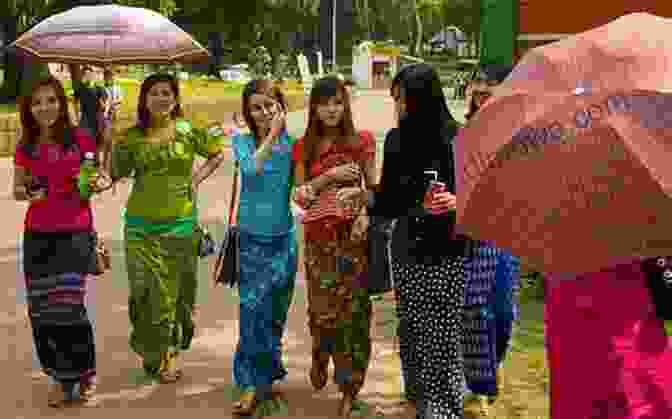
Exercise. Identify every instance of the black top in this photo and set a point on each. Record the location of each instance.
(419, 236)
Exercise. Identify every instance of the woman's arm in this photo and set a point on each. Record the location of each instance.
(379, 199)
(304, 193)
(207, 168)
(264, 152)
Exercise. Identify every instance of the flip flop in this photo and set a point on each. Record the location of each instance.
(246, 405)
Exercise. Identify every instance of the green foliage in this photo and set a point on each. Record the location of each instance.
(260, 62)
(286, 67)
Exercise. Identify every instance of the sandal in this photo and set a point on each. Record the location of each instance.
(56, 395)
(246, 404)
(345, 406)
(87, 393)
(477, 406)
(169, 373)
(170, 376)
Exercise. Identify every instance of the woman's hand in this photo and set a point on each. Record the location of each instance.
(278, 123)
(351, 194)
(345, 173)
(304, 196)
(439, 203)
(36, 195)
(100, 182)
(359, 228)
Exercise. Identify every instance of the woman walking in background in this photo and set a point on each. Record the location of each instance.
(104, 124)
(268, 246)
(427, 258)
(491, 280)
(332, 157)
(58, 240)
(161, 241)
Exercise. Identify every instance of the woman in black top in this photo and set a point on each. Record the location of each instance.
(427, 259)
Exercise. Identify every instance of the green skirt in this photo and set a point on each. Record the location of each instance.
(162, 274)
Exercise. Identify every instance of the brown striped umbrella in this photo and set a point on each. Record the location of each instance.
(110, 34)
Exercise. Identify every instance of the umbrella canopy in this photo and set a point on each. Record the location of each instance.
(110, 34)
(568, 164)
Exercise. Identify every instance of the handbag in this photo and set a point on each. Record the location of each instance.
(227, 267)
(379, 278)
(658, 272)
(206, 243)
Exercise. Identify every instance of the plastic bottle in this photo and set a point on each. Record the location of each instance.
(87, 170)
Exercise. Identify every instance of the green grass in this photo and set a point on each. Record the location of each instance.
(8, 108)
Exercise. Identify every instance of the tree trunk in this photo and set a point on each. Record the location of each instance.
(418, 30)
(13, 69)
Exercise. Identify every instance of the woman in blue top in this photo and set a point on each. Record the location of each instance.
(268, 247)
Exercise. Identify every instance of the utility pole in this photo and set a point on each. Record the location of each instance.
(334, 68)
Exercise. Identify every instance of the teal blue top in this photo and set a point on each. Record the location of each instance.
(264, 197)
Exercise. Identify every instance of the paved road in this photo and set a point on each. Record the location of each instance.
(205, 390)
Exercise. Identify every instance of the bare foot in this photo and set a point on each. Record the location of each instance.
(56, 395)
(345, 407)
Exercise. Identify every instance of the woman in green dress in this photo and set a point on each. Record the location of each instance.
(161, 239)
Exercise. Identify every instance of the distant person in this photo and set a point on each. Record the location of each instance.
(115, 93)
(492, 276)
(104, 126)
(85, 97)
(348, 83)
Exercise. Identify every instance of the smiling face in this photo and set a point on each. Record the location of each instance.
(331, 110)
(262, 110)
(45, 106)
(161, 100)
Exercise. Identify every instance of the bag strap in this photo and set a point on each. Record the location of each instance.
(234, 191)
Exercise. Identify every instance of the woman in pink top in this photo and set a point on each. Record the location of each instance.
(58, 241)
(608, 353)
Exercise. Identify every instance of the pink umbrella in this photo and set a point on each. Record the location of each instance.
(110, 34)
(568, 165)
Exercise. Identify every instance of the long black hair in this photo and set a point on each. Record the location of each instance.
(427, 128)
